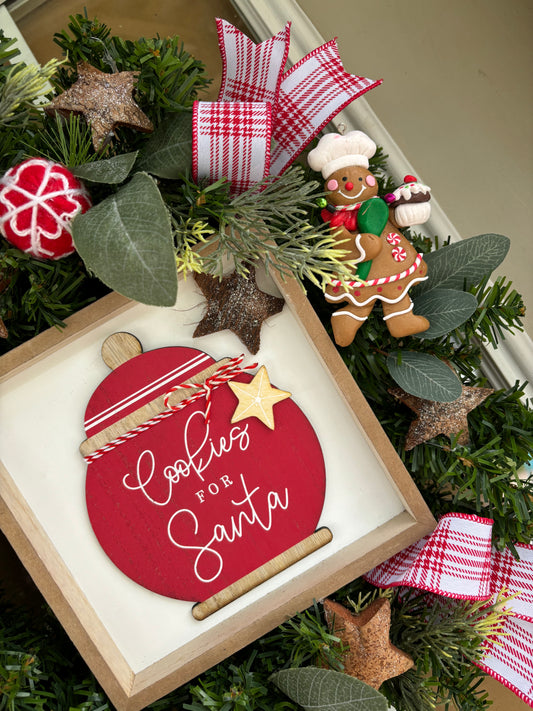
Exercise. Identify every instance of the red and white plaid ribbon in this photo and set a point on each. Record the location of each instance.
(251, 72)
(231, 140)
(457, 560)
(312, 93)
(258, 103)
(222, 375)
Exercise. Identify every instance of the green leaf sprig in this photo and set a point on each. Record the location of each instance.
(317, 689)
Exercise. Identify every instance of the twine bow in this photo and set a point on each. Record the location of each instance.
(220, 376)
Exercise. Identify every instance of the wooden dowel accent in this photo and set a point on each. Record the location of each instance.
(282, 561)
(146, 412)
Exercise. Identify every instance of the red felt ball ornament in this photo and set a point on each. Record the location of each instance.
(38, 201)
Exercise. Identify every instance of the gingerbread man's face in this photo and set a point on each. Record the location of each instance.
(350, 185)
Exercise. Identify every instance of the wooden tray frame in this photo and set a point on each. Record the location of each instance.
(131, 691)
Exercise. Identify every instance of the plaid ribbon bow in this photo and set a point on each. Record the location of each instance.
(457, 560)
(259, 104)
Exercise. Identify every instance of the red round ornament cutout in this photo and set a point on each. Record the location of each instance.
(38, 201)
(187, 507)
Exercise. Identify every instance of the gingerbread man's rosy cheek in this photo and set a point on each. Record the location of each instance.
(332, 184)
(370, 180)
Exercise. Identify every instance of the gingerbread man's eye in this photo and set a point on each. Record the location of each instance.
(345, 179)
(360, 179)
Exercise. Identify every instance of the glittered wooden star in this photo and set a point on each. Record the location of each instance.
(370, 656)
(257, 398)
(434, 418)
(236, 303)
(105, 100)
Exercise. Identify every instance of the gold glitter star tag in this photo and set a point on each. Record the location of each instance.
(257, 398)
(105, 100)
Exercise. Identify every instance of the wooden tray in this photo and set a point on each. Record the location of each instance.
(141, 645)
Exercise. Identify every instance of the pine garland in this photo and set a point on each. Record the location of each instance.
(268, 223)
(39, 669)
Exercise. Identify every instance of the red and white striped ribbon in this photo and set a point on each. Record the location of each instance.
(458, 560)
(222, 375)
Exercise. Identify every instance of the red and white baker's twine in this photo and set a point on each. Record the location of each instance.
(384, 280)
(222, 375)
(219, 377)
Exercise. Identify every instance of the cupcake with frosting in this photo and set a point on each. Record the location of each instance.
(410, 202)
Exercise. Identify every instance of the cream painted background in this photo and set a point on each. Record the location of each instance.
(457, 98)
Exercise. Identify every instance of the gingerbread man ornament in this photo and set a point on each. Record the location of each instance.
(368, 228)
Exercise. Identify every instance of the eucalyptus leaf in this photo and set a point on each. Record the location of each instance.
(127, 242)
(110, 170)
(464, 263)
(328, 690)
(425, 376)
(445, 310)
(168, 153)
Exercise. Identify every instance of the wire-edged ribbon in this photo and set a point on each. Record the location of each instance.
(222, 375)
(260, 105)
(458, 560)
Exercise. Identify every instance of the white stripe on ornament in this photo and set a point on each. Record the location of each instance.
(146, 390)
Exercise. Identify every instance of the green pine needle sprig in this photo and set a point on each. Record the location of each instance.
(67, 141)
(500, 311)
(445, 638)
(268, 222)
(39, 293)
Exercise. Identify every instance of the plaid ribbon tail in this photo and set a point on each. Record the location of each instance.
(312, 92)
(457, 560)
(251, 72)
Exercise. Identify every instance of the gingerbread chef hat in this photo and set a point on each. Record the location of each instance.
(335, 151)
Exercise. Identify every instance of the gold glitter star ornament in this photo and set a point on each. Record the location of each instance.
(257, 398)
(105, 101)
(447, 418)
